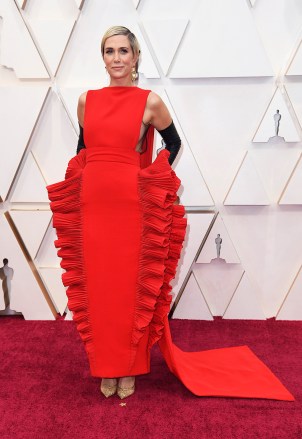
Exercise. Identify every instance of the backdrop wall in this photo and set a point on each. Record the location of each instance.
(223, 68)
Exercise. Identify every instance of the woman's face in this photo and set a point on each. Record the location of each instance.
(118, 57)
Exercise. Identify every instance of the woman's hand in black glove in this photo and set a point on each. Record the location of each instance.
(171, 141)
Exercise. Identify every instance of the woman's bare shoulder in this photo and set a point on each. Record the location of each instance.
(81, 107)
(158, 113)
(82, 98)
(154, 100)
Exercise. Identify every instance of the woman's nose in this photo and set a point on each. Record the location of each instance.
(116, 56)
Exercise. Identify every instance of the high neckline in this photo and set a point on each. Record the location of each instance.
(121, 86)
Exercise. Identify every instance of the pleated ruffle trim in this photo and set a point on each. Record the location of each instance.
(163, 233)
(65, 203)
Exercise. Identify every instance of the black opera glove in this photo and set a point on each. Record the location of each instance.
(171, 141)
(81, 143)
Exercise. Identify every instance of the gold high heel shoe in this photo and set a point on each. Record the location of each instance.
(108, 390)
(124, 392)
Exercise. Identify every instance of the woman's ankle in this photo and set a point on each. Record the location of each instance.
(126, 381)
(109, 381)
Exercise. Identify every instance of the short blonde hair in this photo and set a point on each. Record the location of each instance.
(121, 30)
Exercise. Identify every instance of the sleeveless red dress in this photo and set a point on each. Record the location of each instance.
(120, 238)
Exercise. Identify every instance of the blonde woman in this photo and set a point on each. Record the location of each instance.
(120, 232)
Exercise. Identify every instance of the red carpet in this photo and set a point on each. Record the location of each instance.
(47, 392)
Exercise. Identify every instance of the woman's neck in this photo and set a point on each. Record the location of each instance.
(121, 83)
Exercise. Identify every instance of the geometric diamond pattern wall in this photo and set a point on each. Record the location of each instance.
(227, 72)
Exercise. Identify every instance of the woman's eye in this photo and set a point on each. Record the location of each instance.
(108, 50)
(124, 50)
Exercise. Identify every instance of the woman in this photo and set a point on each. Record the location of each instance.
(120, 233)
(120, 52)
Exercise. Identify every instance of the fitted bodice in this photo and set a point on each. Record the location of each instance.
(113, 118)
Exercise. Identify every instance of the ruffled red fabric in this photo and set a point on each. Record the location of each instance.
(163, 233)
(65, 197)
(163, 304)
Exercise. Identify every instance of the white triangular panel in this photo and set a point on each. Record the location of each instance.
(295, 67)
(47, 254)
(31, 225)
(70, 97)
(209, 250)
(52, 35)
(17, 47)
(194, 191)
(14, 134)
(223, 45)
(279, 25)
(287, 130)
(291, 308)
(26, 296)
(294, 92)
(246, 303)
(136, 3)
(252, 2)
(54, 140)
(218, 281)
(275, 164)
(165, 36)
(68, 314)
(192, 304)
(247, 188)
(30, 186)
(292, 193)
(53, 282)
(198, 225)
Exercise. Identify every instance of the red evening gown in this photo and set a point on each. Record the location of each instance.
(119, 240)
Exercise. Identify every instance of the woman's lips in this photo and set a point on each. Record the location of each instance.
(117, 68)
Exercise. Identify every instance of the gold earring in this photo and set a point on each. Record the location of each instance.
(134, 74)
